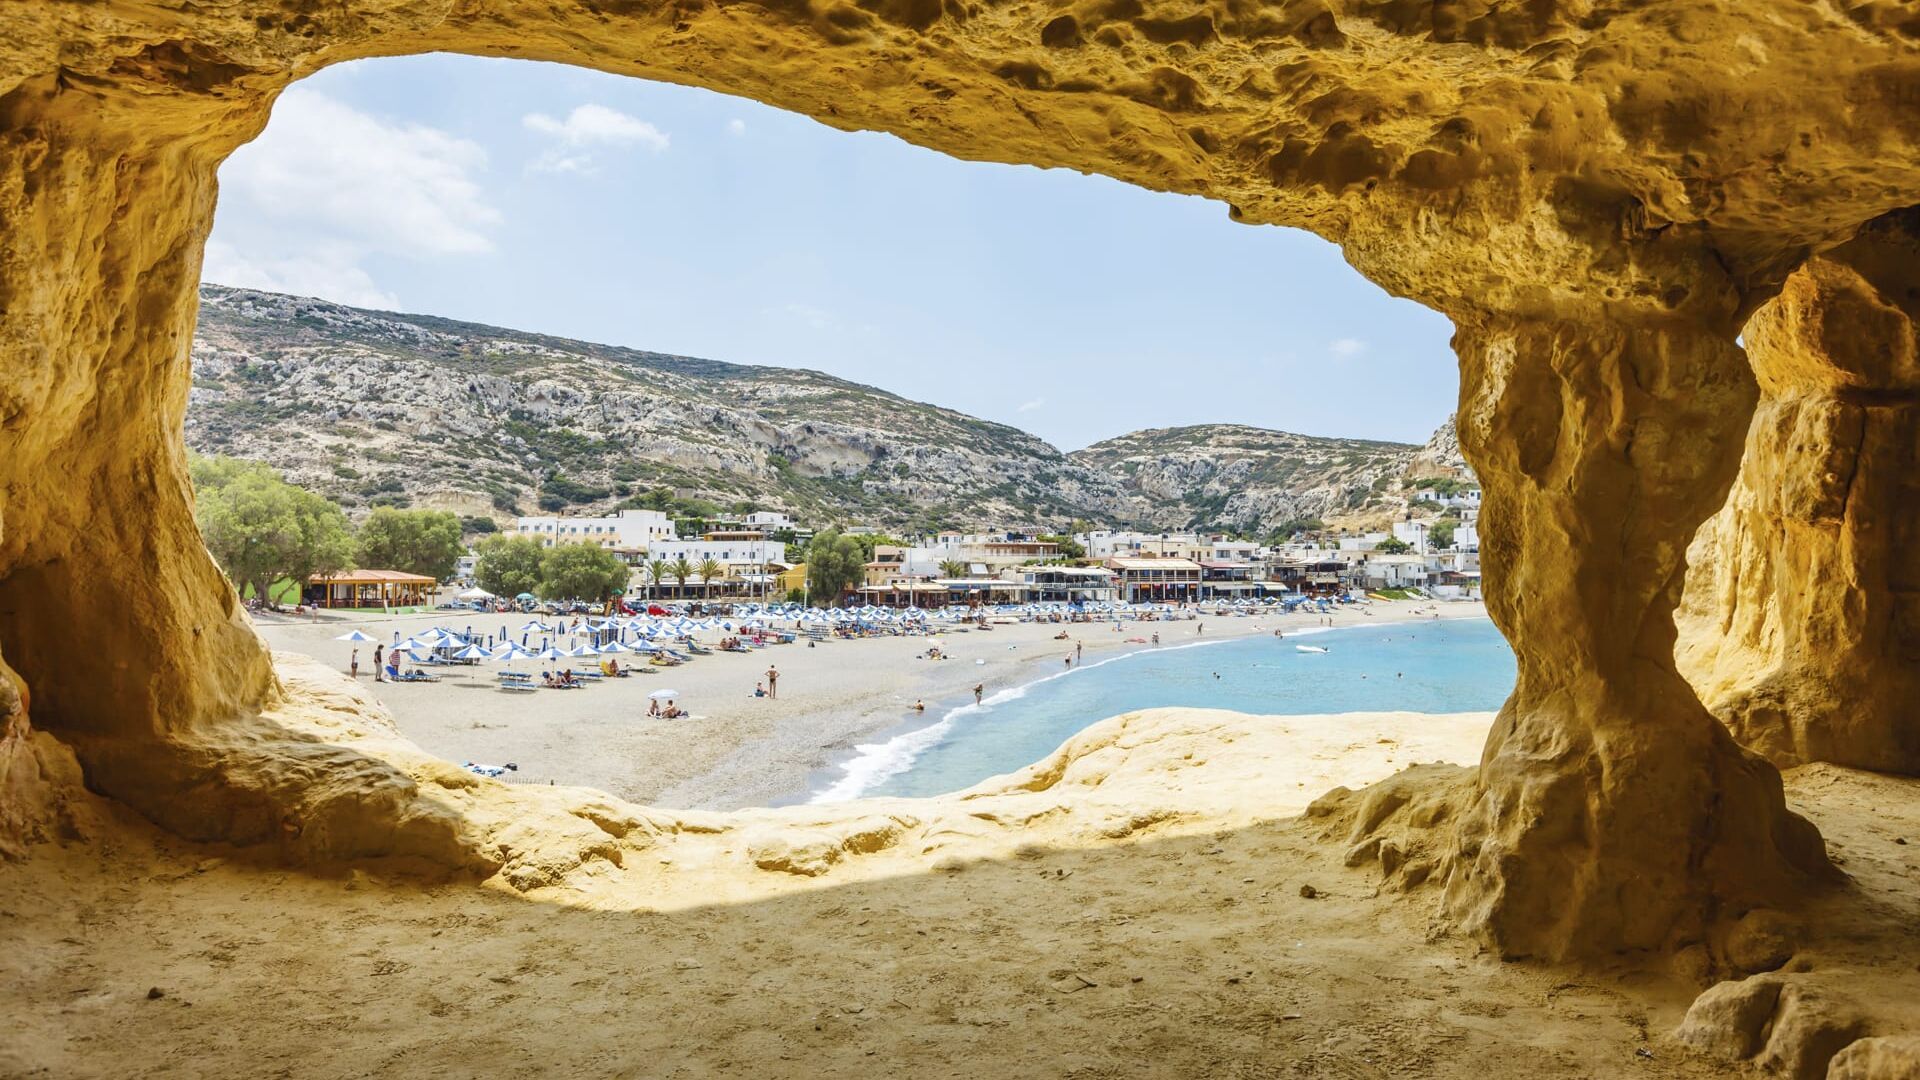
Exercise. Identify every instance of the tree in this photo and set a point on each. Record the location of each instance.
(657, 571)
(1393, 545)
(711, 571)
(1069, 547)
(480, 526)
(416, 541)
(583, 571)
(260, 528)
(1440, 533)
(835, 562)
(953, 568)
(681, 571)
(508, 565)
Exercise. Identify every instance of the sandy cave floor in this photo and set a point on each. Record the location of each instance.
(1182, 951)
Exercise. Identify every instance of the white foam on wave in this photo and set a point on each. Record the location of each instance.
(873, 764)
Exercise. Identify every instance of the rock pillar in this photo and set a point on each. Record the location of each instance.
(1611, 811)
(1801, 623)
(111, 611)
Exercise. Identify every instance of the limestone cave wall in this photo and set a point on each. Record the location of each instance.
(1598, 192)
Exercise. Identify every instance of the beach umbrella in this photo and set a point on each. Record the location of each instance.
(471, 652)
(511, 653)
(355, 635)
(549, 653)
(664, 695)
(615, 647)
(584, 650)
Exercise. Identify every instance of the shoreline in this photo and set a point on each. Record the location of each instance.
(736, 750)
(855, 774)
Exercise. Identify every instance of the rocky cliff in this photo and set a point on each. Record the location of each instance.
(378, 408)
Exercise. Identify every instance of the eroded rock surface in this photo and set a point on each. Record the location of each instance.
(1801, 622)
(1596, 193)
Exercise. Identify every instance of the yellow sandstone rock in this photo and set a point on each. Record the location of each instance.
(1596, 192)
(1801, 624)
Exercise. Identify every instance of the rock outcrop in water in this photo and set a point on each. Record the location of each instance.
(1597, 194)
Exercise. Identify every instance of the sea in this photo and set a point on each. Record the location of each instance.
(1447, 665)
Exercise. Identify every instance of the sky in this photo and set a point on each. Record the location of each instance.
(563, 201)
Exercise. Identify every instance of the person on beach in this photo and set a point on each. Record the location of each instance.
(773, 681)
(978, 690)
(1156, 637)
(1069, 662)
(919, 706)
(653, 706)
(1079, 649)
(759, 689)
(353, 664)
(378, 651)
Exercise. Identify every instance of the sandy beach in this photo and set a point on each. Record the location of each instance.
(736, 750)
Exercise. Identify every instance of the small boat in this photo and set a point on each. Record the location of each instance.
(1308, 648)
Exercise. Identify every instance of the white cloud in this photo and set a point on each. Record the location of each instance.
(1347, 346)
(326, 186)
(328, 273)
(736, 126)
(586, 127)
(817, 318)
(1030, 406)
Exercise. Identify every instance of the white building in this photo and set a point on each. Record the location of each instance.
(768, 521)
(737, 552)
(1113, 544)
(629, 530)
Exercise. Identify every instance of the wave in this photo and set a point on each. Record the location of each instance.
(873, 764)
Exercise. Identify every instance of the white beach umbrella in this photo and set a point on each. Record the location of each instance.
(664, 695)
(549, 653)
(471, 652)
(615, 647)
(584, 650)
(510, 653)
(355, 635)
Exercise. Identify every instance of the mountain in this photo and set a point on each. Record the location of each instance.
(1256, 480)
(376, 408)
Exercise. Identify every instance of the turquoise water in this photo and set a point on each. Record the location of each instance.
(1461, 665)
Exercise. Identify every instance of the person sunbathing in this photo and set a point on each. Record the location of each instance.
(653, 708)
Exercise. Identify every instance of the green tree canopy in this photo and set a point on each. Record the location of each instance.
(416, 541)
(953, 568)
(581, 572)
(710, 571)
(260, 528)
(657, 571)
(835, 562)
(1440, 533)
(1393, 545)
(508, 565)
(1069, 547)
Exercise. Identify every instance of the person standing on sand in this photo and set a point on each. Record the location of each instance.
(1069, 662)
(1079, 649)
(978, 689)
(378, 652)
(353, 665)
(773, 682)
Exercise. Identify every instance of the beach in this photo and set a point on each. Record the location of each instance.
(736, 750)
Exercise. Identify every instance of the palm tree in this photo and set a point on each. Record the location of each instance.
(657, 572)
(681, 571)
(953, 568)
(709, 571)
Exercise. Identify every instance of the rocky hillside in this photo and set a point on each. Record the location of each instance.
(1256, 480)
(374, 408)
(371, 407)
